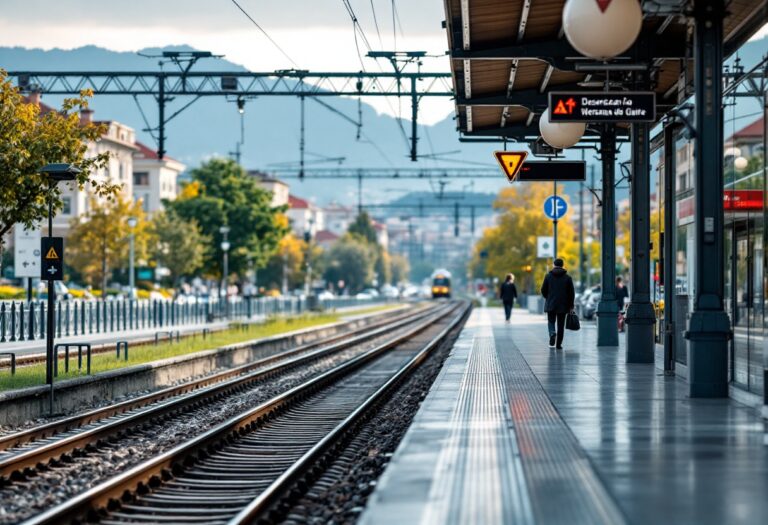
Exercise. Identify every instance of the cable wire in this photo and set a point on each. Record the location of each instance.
(376, 23)
(265, 33)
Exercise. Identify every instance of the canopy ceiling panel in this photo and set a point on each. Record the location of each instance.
(515, 53)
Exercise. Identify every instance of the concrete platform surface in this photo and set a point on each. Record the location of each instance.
(513, 432)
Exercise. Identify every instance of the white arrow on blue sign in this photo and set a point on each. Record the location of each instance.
(555, 207)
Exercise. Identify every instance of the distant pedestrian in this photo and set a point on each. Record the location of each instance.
(559, 296)
(508, 294)
(622, 295)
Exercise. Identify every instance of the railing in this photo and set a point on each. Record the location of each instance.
(25, 321)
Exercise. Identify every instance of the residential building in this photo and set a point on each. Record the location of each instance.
(304, 216)
(119, 141)
(279, 189)
(338, 217)
(154, 179)
(325, 239)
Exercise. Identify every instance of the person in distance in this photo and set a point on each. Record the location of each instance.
(559, 295)
(508, 294)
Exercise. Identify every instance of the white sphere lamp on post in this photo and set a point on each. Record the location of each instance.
(602, 29)
(560, 135)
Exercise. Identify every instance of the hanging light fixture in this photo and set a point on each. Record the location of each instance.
(602, 29)
(560, 135)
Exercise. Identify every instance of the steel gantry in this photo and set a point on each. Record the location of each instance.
(164, 86)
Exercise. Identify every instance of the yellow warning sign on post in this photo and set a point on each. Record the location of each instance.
(511, 162)
(52, 254)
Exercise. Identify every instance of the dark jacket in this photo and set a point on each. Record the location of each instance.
(508, 292)
(558, 291)
(621, 294)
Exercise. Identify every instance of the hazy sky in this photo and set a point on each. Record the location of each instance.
(316, 34)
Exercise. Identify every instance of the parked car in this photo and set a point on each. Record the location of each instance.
(587, 304)
(364, 295)
(325, 295)
(390, 292)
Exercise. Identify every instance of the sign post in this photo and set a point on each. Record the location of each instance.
(51, 270)
(554, 208)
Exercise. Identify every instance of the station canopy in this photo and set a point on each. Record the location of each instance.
(506, 55)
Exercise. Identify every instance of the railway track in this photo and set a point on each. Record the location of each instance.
(25, 452)
(242, 469)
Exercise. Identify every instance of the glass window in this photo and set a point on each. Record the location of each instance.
(141, 178)
(66, 208)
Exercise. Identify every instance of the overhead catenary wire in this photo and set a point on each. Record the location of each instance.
(376, 23)
(264, 32)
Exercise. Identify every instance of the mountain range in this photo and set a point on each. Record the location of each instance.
(211, 126)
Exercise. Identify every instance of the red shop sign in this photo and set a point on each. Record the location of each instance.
(743, 200)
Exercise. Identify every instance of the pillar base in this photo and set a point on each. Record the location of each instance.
(607, 323)
(640, 319)
(708, 333)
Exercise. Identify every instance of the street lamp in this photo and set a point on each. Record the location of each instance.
(132, 221)
(225, 246)
(56, 173)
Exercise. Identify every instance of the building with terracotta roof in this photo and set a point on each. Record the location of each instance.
(325, 238)
(749, 139)
(154, 179)
(304, 216)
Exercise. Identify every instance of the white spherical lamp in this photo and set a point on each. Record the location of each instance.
(740, 163)
(560, 135)
(602, 29)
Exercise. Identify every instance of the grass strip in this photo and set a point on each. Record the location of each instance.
(34, 375)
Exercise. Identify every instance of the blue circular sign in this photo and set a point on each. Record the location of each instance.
(555, 207)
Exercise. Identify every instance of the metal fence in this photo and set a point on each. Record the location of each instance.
(25, 321)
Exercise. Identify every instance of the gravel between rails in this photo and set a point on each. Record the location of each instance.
(339, 496)
(71, 476)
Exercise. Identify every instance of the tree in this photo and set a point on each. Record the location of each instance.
(178, 244)
(510, 246)
(399, 268)
(363, 226)
(30, 139)
(223, 194)
(288, 260)
(99, 240)
(350, 260)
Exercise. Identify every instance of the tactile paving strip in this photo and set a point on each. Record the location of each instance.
(562, 485)
(479, 476)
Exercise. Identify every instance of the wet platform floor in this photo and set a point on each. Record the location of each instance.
(513, 432)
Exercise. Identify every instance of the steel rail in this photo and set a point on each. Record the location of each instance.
(24, 461)
(302, 469)
(142, 478)
(63, 425)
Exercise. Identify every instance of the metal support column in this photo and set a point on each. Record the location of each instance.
(161, 116)
(709, 327)
(670, 234)
(607, 311)
(640, 314)
(414, 120)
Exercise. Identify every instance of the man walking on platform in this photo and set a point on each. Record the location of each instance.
(508, 294)
(559, 296)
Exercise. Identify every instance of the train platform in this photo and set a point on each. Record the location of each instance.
(513, 432)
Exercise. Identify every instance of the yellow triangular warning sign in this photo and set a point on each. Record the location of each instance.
(51, 254)
(511, 162)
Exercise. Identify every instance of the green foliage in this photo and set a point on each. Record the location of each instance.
(363, 227)
(511, 244)
(98, 241)
(350, 260)
(179, 245)
(223, 194)
(29, 140)
(399, 268)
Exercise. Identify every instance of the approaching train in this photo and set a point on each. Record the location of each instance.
(441, 283)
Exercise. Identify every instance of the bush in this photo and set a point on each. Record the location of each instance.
(12, 292)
